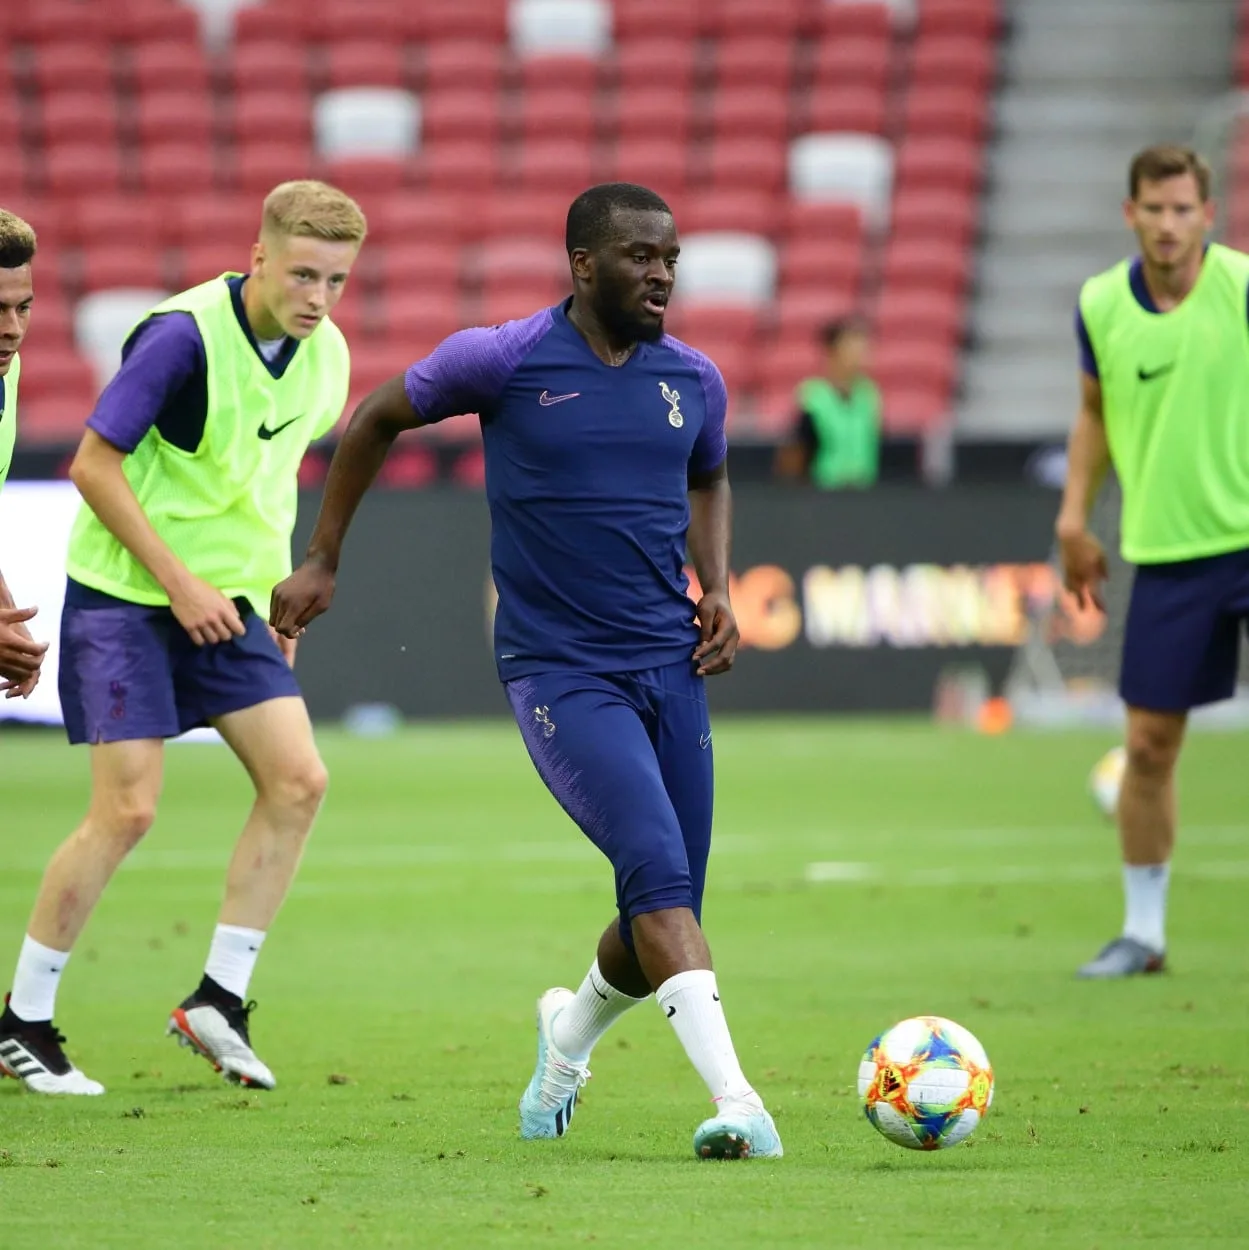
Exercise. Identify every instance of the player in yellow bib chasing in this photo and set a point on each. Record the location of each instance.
(1164, 344)
(20, 655)
(188, 475)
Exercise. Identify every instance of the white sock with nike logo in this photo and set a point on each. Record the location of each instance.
(591, 1013)
(232, 957)
(35, 982)
(691, 1002)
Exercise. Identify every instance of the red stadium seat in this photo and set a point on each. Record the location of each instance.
(272, 116)
(207, 218)
(859, 62)
(292, 23)
(186, 167)
(88, 66)
(750, 112)
(872, 18)
(920, 266)
(79, 117)
(54, 320)
(910, 411)
(464, 114)
(555, 165)
(571, 73)
(806, 219)
(785, 362)
(364, 62)
(363, 177)
(737, 359)
(463, 19)
(736, 18)
(147, 21)
(415, 266)
(505, 263)
(382, 21)
(117, 264)
(514, 303)
(976, 18)
(54, 220)
(74, 169)
(655, 63)
(939, 164)
(655, 19)
(184, 116)
(916, 363)
(767, 61)
(54, 21)
(727, 325)
(956, 112)
(744, 210)
(352, 314)
(277, 65)
(857, 109)
(259, 167)
(660, 114)
(59, 418)
(168, 66)
(829, 265)
(50, 368)
(942, 59)
(98, 221)
(932, 316)
(526, 214)
(746, 162)
(422, 217)
(463, 65)
(460, 166)
(419, 319)
(801, 314)
(945, 217)
(556, 112)
(202, 261)
(658, 162)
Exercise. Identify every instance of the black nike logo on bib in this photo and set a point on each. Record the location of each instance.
(1148, 375)
(266, 433)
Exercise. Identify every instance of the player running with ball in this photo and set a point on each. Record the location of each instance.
(605, 455)
(188, 475)
(1165, 386)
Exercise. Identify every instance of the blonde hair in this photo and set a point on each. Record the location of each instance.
(315, 210)
(17, 241)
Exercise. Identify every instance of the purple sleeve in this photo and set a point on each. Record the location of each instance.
(156, 362)
(1088, 360)
(712, 445)
(468, 371)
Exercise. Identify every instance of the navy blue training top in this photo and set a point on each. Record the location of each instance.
(587, 477)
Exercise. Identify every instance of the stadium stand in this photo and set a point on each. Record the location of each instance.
(821, 155)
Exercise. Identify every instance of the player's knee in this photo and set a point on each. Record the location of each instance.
(1152, 751)
(298, 787)
(123, 821)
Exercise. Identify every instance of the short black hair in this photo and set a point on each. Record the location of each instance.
(590, 215)
(832, 332)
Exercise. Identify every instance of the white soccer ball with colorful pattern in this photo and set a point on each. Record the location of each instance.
(1106, 780)
(926, 1083)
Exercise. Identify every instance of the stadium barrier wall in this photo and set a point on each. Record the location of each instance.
(847, 602)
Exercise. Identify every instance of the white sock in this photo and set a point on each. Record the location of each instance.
(596, 1008)
(691, 1002)
(232, 957)
(1145, 898)
(38, 974)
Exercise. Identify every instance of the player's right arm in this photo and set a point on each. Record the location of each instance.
(1088, 460)
(158, 362)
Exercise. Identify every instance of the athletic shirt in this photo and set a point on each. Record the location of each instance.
(1175, 400)
(216, 478)
(587, 478)
(8, 416)
(846, 449)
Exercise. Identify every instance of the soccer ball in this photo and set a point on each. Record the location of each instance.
(1105, 780)
(925, 1083)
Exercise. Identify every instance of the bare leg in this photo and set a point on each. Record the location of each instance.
(1147, 797)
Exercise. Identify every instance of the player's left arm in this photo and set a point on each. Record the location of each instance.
(20, 655)
(711, 527)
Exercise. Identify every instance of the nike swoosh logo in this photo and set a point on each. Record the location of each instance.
(596, 989)
(1148, 375)
(705, 740)
(546, 399)
(266, 433)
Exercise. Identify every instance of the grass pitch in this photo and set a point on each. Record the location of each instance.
(864, 871)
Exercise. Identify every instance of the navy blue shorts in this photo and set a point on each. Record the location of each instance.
(629, 758)
(128, 671)
(1181, 644)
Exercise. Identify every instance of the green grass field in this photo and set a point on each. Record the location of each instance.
(444, 890)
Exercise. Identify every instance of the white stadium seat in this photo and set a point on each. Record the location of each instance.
(726, 268)
(560, 27)
(847, 167)
(216, 19)
(367, 122)
(103, 321)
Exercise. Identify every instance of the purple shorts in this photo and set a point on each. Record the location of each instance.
(128, 671)
(1181, 644)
